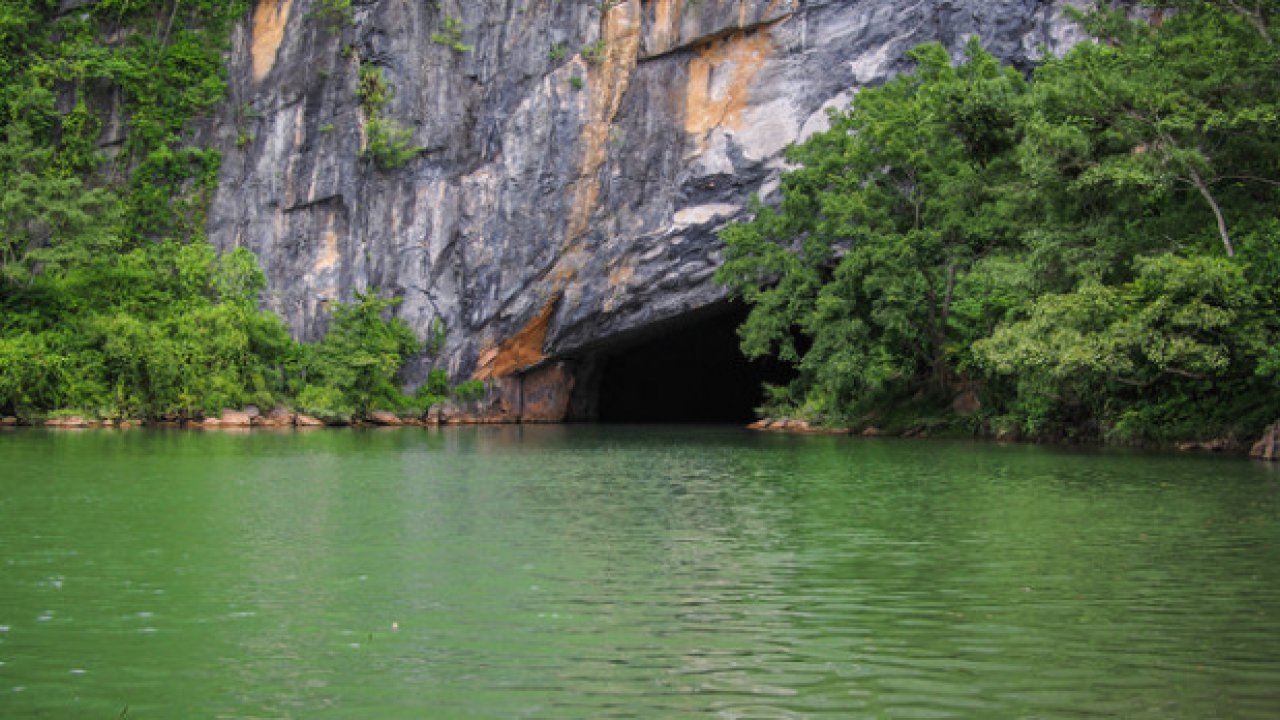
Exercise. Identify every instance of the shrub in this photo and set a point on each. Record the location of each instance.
(450, 35)
(390, 145)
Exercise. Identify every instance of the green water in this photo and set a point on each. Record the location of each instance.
(596, 572)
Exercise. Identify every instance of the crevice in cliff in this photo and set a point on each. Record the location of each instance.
(687, 370)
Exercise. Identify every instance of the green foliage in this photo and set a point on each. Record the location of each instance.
(576, 82)
(595, 52)
(469, 390)
(557, 52)
(163, 330)
(372, 89)
(437, 336)
(434, 391)
(352, 371)
(334, 13)
(871, 256)
(48, 219)
(111, 303)
(1096, 250)
(450, 35)
(1150, 358)
(388, 144)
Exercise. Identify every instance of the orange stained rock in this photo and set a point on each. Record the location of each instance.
(621, 275)
(328, 251)
(667, 15)
(518, 351)
(269, 20)
(608, 82)
(715, 102)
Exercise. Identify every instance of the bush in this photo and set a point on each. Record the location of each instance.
(390, 146)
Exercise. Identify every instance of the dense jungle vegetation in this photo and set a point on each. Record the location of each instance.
(111, 302)
(1094, 251)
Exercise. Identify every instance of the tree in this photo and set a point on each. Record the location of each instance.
(871, 257)
(352, 371)
(1177, 125)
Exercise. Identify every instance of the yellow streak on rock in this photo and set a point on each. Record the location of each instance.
(328, 251)
(666, 22)
(621, 275)
(620, 29)
(269, 20)
(708, 108)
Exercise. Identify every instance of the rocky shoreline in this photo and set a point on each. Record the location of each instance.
(278, 418)
(1266, 448)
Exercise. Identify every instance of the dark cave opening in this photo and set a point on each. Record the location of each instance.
(690, 371)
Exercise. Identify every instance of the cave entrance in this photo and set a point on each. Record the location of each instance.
(688, 370)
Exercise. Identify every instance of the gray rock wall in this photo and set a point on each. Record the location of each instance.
(559, 200)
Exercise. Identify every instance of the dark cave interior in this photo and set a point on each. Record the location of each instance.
(689, 372)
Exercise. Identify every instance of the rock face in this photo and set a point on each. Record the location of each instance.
(575, 163)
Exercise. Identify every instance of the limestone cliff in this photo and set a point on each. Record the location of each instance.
(576, 160)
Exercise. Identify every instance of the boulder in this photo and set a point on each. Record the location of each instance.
(235, 418)
(1268, 448)
(306, 421)
(384, 418)
(872, 432)
(277, 418)
(65, 423)
(8, 421)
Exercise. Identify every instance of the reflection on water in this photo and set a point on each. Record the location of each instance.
(591, 572)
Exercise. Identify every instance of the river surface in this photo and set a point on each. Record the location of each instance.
(629, 572)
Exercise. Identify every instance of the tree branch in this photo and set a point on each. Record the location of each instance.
(1203, 187)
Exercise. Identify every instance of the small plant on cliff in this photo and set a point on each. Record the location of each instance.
(576, 82)
(390, 144)
(372, 89)
(437, 336)
(595, 52)
(333, 13)
(450, 35)
(558, 52)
